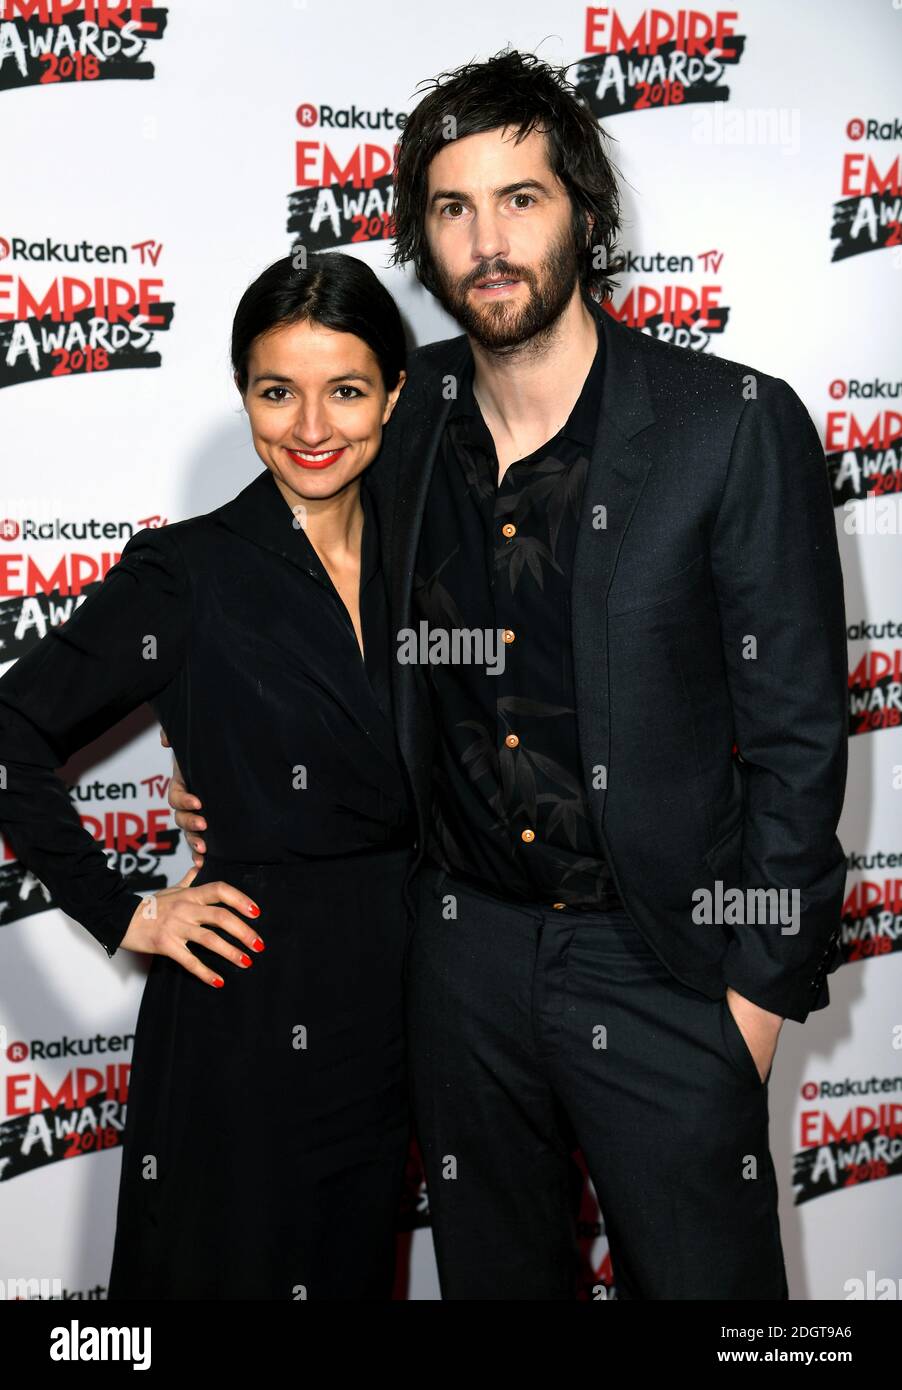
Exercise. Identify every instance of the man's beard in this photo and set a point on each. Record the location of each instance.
(503, 323)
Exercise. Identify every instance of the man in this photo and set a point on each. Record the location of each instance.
(663, 731)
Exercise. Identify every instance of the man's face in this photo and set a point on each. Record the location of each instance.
(496, 212)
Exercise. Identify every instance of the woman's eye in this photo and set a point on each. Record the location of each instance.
(279, 393)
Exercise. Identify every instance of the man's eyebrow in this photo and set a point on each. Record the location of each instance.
(452, 195)
(333, 380)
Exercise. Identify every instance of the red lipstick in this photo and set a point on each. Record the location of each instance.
(316, 459)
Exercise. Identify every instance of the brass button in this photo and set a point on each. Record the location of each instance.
(527, 835)
(511, 740)
(558, 905)
(508, 634)
(508, 529)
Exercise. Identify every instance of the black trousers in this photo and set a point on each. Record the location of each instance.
(531, 1031)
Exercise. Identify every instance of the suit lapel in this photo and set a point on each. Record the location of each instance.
(618, 469)
(260, 512)
(419, 435)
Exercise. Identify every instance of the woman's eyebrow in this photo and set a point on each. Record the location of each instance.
(289, 380)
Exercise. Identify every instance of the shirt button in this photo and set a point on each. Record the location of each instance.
(509, 529)
(527, 835)
(558, 905)
(508, 635)
(511, 740)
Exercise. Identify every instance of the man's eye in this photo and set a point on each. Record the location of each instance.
(452, 205)
(528, 196)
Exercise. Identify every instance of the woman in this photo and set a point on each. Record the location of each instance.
(267, 1126)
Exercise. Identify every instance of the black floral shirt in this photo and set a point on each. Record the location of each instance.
(510, 814)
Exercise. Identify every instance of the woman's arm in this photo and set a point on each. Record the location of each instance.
(120, 647)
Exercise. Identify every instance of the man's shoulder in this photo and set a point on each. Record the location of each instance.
(712, 393)
(677, 377)
(671, 365)
(434, 359)
(667, 364)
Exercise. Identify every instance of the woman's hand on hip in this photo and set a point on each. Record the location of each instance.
(165, 922)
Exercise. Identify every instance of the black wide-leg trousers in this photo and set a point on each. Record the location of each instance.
(531, 1031)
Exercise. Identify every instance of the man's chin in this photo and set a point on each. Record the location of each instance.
(498, 341)
(498, 325)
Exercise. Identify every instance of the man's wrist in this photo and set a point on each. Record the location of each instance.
(776, 1020)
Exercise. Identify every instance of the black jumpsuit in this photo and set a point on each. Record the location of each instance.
(267, 1122)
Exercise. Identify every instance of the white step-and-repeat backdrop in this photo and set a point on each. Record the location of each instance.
(155, 157)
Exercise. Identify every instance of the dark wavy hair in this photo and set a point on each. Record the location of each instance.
(520, 91)
(334, 290)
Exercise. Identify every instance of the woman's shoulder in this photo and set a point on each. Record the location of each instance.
(191, 539)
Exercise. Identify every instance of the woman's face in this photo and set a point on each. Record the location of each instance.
(316, 403)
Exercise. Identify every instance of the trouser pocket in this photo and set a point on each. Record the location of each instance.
(737, 1048)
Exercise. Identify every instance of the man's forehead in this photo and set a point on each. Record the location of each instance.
(498, 152)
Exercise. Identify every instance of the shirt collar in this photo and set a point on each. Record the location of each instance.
(582, 422)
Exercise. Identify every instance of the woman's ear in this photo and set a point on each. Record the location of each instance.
(392, 398)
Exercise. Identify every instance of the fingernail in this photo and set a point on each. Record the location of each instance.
(245, 960)
(253, 910)
(257, 944)
(218, 982)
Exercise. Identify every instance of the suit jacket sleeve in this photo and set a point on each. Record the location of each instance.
(778, 581)
(121, 646)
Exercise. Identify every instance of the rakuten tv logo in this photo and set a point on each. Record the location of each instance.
(863, 442)
(348, 117)
(858, 129)
(54, 325)
(845, 1147)
(674, 311)
(342, 195)
(857, 390)
(868, 216)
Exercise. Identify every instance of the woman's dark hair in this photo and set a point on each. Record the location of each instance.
(334, 290)
(520, 91)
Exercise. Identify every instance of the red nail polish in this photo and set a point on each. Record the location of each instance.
(257, 944)
(219, 983)
(245, 960)
(253, 910)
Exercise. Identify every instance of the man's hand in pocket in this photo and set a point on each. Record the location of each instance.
(759, 1027)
